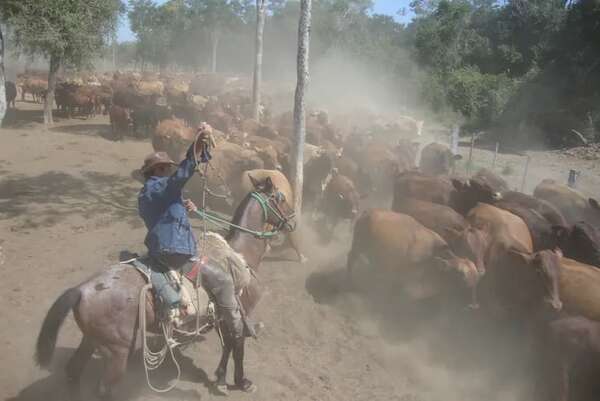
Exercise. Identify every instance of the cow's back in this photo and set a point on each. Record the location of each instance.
(501, 223)
(397, 240)
(580, 288)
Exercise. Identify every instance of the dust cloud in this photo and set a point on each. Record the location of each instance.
(442, 354)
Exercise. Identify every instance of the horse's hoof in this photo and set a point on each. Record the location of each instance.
(221, 389)
(247, 386)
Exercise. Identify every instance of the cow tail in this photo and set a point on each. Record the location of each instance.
(46, 341)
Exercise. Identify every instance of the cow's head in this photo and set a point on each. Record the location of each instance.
(470, 243)
(459, 275)
(538, 277)
(470, 192)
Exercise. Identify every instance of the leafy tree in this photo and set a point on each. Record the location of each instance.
(67, 32)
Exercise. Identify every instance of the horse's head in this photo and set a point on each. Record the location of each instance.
(278, 212)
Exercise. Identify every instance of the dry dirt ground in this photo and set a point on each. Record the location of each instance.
(68, 209)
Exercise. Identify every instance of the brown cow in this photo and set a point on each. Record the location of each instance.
(459, 195)
(579, 288)
(420, 258)
(247, 183)
(437, 159)
(571, 203)
(120, 122)
(499, 223)
(436, 217)
(172, 136)
(517, 283)
(464, 241)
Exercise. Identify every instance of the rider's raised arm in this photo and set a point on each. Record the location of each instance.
(184, 172)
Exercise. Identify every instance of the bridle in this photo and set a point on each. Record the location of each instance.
(271, 204)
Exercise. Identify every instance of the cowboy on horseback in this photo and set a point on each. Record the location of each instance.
(172, 246)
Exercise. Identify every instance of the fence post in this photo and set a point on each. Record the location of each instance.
(471, 154)
(525, 173)
(495, 155)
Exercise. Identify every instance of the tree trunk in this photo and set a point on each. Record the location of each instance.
(258, 58)
(49, 102)
(299, 111)
(214, 38)
(3, 105)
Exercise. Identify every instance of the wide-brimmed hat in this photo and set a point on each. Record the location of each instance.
(154, 160)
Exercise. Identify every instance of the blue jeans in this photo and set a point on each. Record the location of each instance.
(165, 289)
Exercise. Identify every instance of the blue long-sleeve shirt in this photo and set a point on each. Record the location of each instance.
(160, 204)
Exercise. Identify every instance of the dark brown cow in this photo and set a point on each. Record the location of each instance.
(419, 257)
(546, 209)
(340, 201)
(580, 242)
(120, 122)
(572, 204)
(11, 94)
(571, 345)
(437, 159)
(317, 172)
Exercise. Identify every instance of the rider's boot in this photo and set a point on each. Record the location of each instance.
(240, 380)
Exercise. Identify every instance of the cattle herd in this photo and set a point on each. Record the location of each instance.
(528, 260)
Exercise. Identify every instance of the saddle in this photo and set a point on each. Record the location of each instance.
(193, 296)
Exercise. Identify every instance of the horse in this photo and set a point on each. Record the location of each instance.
(106, 306)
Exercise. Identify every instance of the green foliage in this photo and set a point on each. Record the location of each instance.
(71, 31)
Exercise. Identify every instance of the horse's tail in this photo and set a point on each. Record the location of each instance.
(54, 319)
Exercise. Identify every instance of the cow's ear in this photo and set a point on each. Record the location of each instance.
(254, 182)
(457, 157)
(594, 203)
